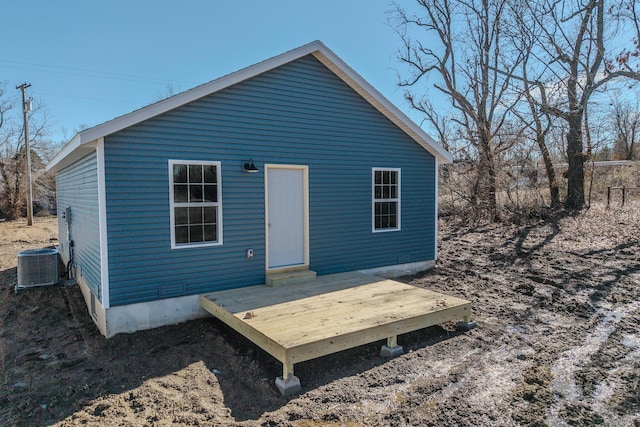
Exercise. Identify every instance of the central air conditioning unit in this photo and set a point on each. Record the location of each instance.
(37, 267)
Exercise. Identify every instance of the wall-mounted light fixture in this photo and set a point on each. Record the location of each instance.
(250, 167)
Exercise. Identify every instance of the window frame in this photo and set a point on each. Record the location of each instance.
(218, 204)
(374, 200)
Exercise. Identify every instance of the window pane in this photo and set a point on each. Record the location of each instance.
(210, 215)
(378, 177)
(195, 233)
(394, 177)
(386, 192)
(195, 193)
(180, 193)
(393, 221)
(181, 216)
(210, 193)
(385, 177)
(210, 174)
(394, 192)
(378, 192)
(182, 235)
(179, 173)
(393, 208)
(195, 215)
(210, 234)
(195, 174)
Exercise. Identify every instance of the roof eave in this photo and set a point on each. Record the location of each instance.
(375, 98)
(316, 48)
(55, 164)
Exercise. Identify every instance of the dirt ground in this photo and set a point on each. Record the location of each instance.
(558, 343)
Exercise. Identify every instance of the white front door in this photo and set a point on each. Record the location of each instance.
(286, 216)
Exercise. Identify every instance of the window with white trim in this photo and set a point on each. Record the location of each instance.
(386, 199)
(195, 196)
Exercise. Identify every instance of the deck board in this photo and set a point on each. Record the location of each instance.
(301, 321)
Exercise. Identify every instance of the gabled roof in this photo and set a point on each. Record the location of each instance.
(82, 141)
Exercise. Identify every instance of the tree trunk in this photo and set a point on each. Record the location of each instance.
(491, 189)
(551, 172)
(487, 176)
(632, 141)
(575, 155)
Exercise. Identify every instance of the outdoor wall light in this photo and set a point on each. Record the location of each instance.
(250, 167)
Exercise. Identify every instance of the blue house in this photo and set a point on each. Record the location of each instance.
(294, 163)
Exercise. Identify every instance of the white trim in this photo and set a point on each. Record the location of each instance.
(102, 224)
(71, 153)
(399, 270)
(437, 194)
(217, 204)
(305, 208)
(316, 48)
(382, 104)
(66, 151)
(396, 199)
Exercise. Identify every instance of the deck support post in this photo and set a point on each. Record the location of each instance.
(466, 325)
(392, 349)
(288, 384)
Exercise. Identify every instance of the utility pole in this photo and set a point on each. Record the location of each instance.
(26, 107)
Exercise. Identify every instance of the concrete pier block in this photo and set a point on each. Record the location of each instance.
(395, 351)
(466, 326)
(290, 386)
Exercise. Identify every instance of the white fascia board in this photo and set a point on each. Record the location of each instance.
(65, 152)
(137, 116)
(317, 48)
(198, 92)
(375, 98)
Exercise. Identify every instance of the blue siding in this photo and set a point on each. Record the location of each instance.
(299, 113)
(77, 188)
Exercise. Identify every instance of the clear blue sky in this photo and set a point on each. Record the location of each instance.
(91, 61)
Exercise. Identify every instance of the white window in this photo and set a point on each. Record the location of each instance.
(195, 195)
(386, 199)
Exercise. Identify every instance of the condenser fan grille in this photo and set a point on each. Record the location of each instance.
(37, 267)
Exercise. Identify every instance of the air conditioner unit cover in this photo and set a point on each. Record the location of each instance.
(37, 267)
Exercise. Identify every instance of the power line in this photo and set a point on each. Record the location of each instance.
(90, 98)
(90, 73)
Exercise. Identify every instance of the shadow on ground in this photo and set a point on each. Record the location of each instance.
(57, 366)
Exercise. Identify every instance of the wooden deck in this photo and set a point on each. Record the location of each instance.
(302, 321)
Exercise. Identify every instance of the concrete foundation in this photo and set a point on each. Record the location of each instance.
(290, 386)
(399, 270)
(395, 351)
(147, 315)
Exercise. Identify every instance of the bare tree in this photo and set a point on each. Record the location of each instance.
(13, 153)
(627, 15)
(461, 51)
(538, 122)
(626, 124)
(571, 48)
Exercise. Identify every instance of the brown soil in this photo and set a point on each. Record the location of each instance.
(558, 343)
